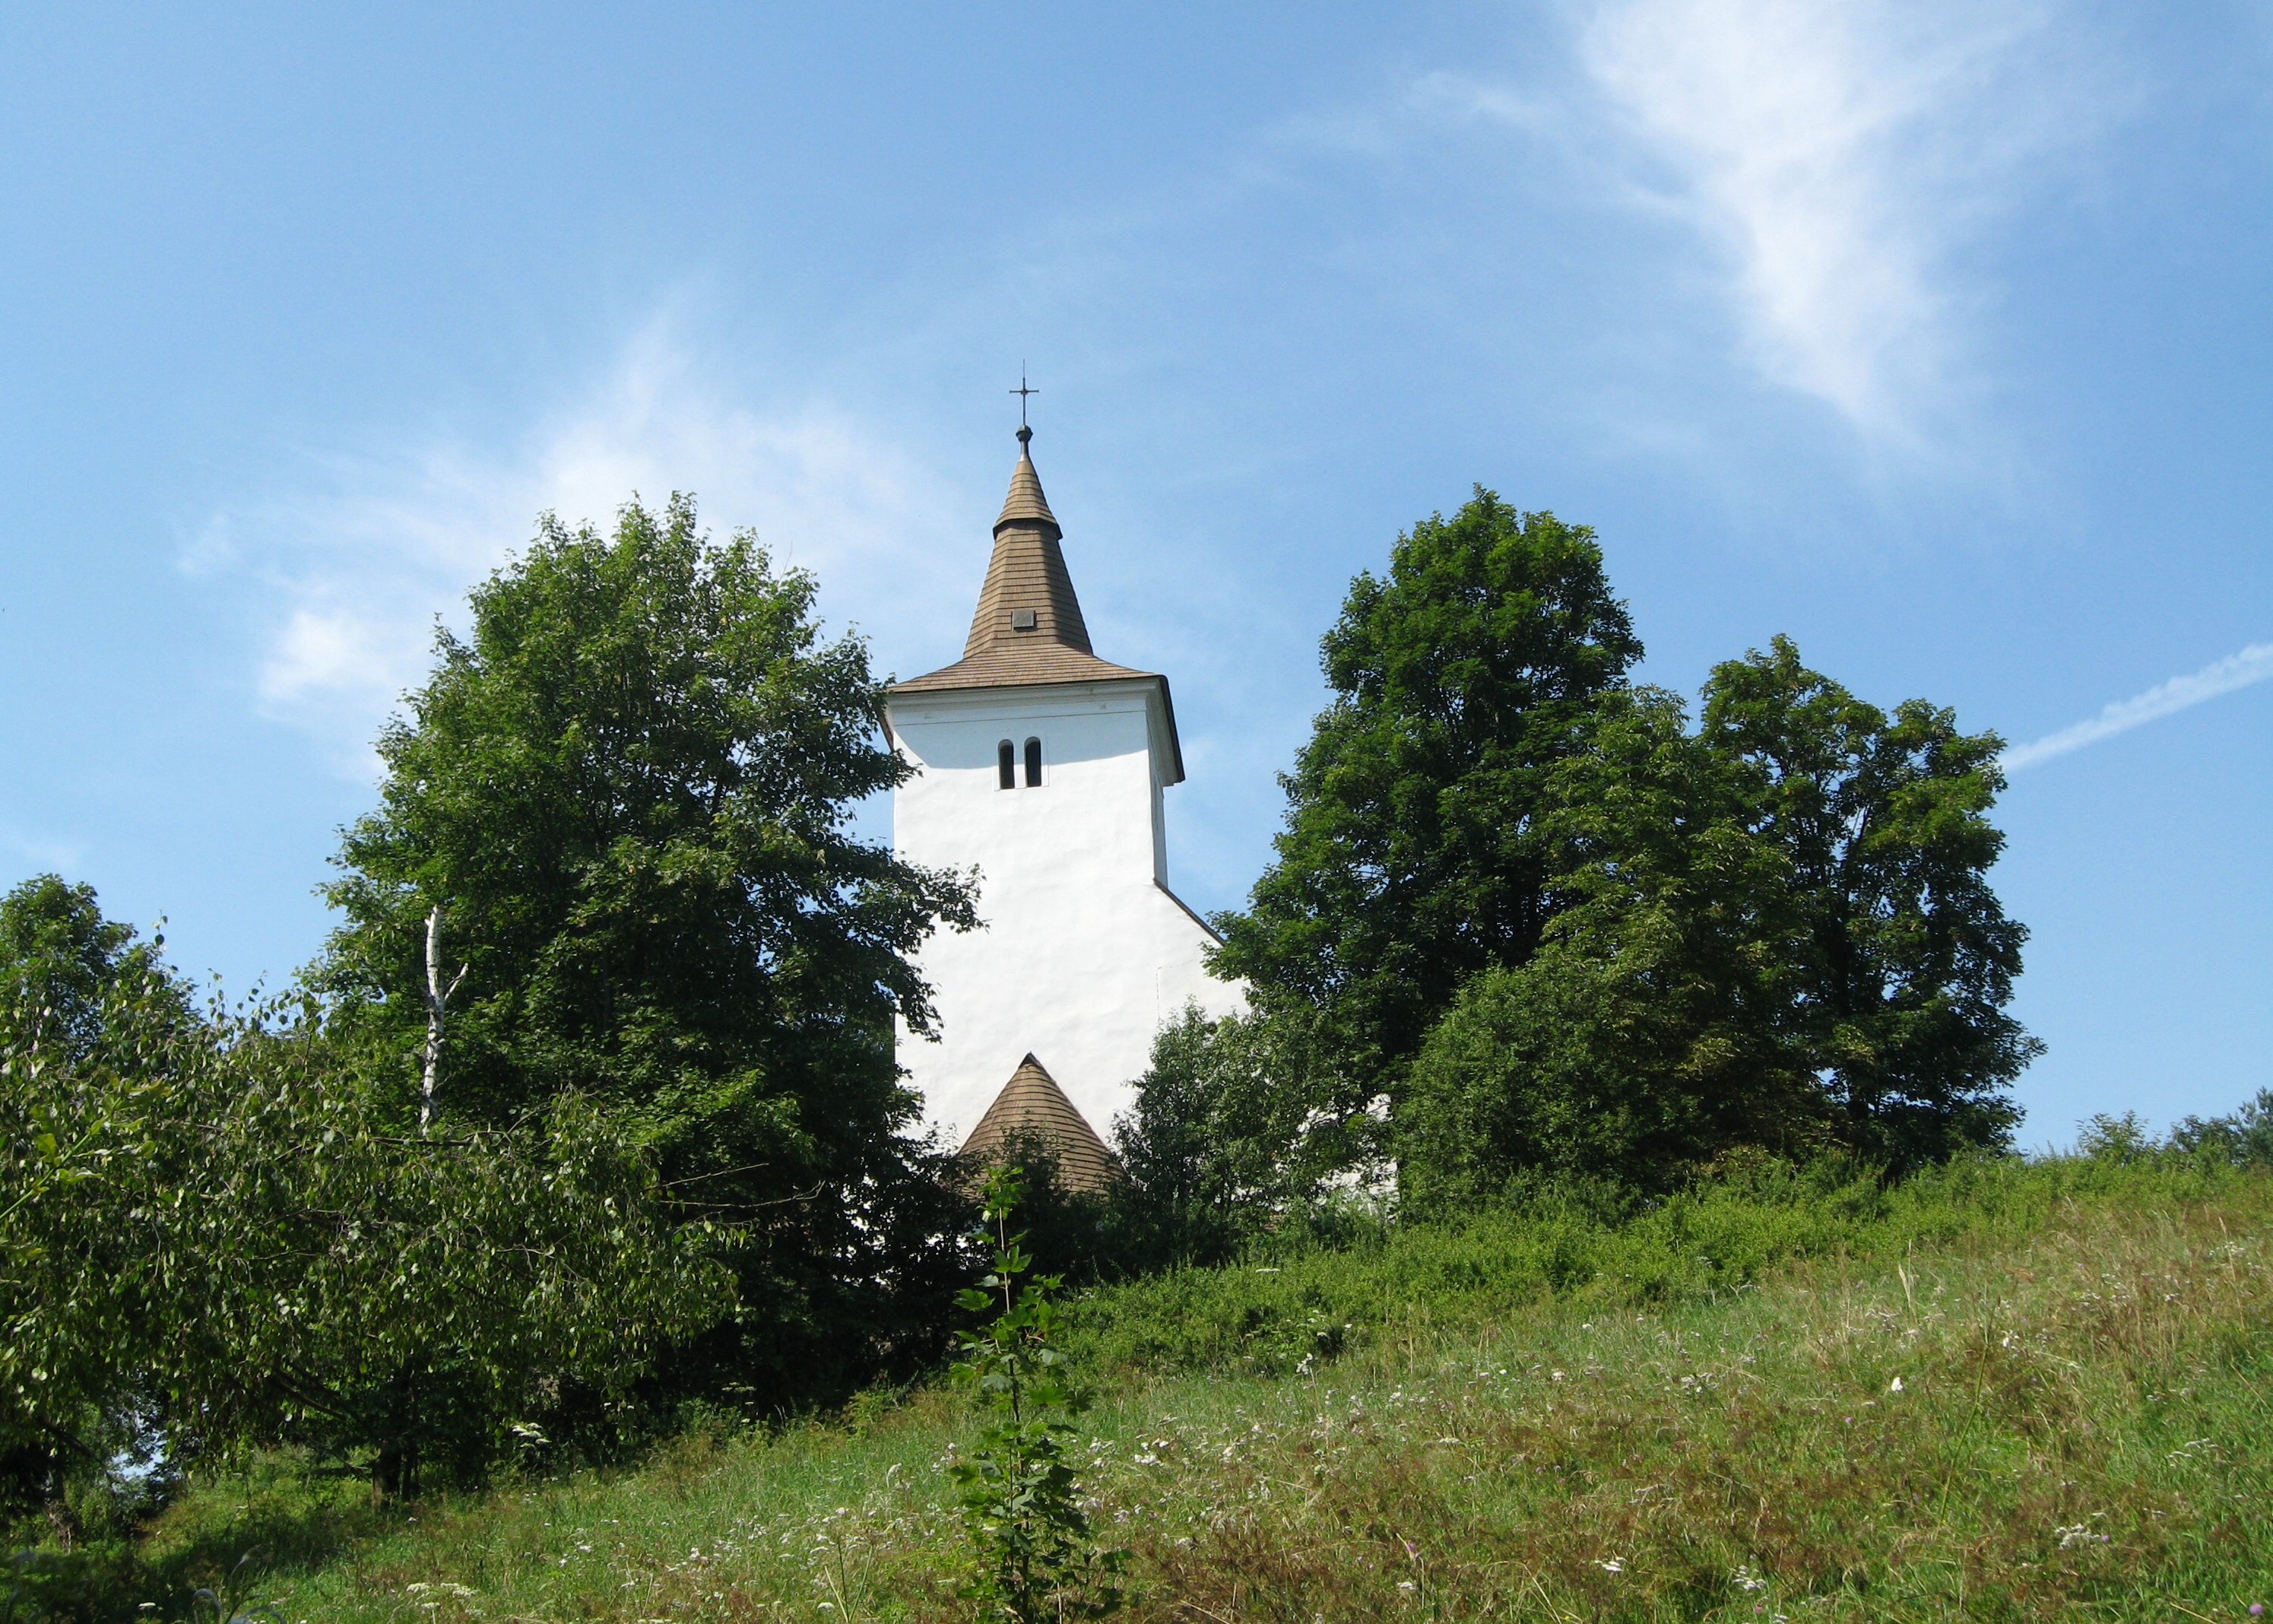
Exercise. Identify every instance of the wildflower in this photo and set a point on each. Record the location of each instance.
(1745, 1579)
(1611, 1564)
(1896, 1386)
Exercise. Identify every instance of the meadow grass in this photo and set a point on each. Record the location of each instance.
(2004, 1391)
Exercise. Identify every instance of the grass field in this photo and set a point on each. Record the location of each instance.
(2009, 1390)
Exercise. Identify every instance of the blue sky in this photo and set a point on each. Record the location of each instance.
(1936, 336)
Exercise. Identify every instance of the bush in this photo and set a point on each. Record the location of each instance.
(209, 1234)
(1548, 1068)
(1243, 1127)
(2245, 1138)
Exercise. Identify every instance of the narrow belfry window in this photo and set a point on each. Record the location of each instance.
(1022, 619)
(1034, 763)
(1006, 764)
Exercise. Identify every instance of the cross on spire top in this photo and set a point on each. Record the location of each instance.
(1022, 392)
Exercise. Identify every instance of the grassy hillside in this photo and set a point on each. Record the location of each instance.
(2001, 1392)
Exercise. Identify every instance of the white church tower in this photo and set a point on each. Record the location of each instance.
(1043, 766)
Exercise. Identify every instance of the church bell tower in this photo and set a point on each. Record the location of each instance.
(1043, 766)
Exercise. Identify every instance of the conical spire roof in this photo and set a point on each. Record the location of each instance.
(1027, 576)
(1028, 628)
(1031, 1105)
(1026, 504)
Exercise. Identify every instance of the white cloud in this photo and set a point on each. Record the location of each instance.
(2254, 664)
(1840, 154)
(357, 564)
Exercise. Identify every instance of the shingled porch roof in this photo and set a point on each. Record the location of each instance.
(1032, 1105)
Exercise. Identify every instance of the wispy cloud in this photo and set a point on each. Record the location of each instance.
(359, 560)
(1840, 154)
(2254, 664)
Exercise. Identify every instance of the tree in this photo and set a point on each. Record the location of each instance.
(62, 1400)
(60, 958)
(1650, 1033)
(212, 1234)
(1776, 931)
(1905, 959)
(2244, 1137)
(1412, 858)
(630, 789)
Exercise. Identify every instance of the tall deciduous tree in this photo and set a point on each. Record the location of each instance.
(1906, 958)
(1777, 930)
(630, 790)
(1651, 1031)
(1412, 857)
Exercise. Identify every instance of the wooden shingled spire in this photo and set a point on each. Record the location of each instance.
(1032, 1105)
(1028, 628)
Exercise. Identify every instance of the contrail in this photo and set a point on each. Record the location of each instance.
(2254, 664)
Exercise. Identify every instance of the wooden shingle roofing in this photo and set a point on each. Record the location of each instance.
(1031, 1105)
(1028, 629)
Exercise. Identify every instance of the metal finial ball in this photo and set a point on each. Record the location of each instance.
(1024, 433)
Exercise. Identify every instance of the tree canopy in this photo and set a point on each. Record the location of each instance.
(1412, 856)
(207, 1230)
(1774, 931)
(1905, 959)
(630, 789)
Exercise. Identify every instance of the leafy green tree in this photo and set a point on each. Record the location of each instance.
(211, 1232)
(59, 958)
(1905, 959)
(1648, 1033)
(1776, 931)
(2243, 1137)
(1412, 858)
(61, 963)
(411, 1297)
(630, 789)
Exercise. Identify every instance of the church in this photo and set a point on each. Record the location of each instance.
(1045, 767)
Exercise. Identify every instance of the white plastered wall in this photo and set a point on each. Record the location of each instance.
(1085, 953)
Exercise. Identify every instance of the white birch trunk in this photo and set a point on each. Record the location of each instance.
(437, 997)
